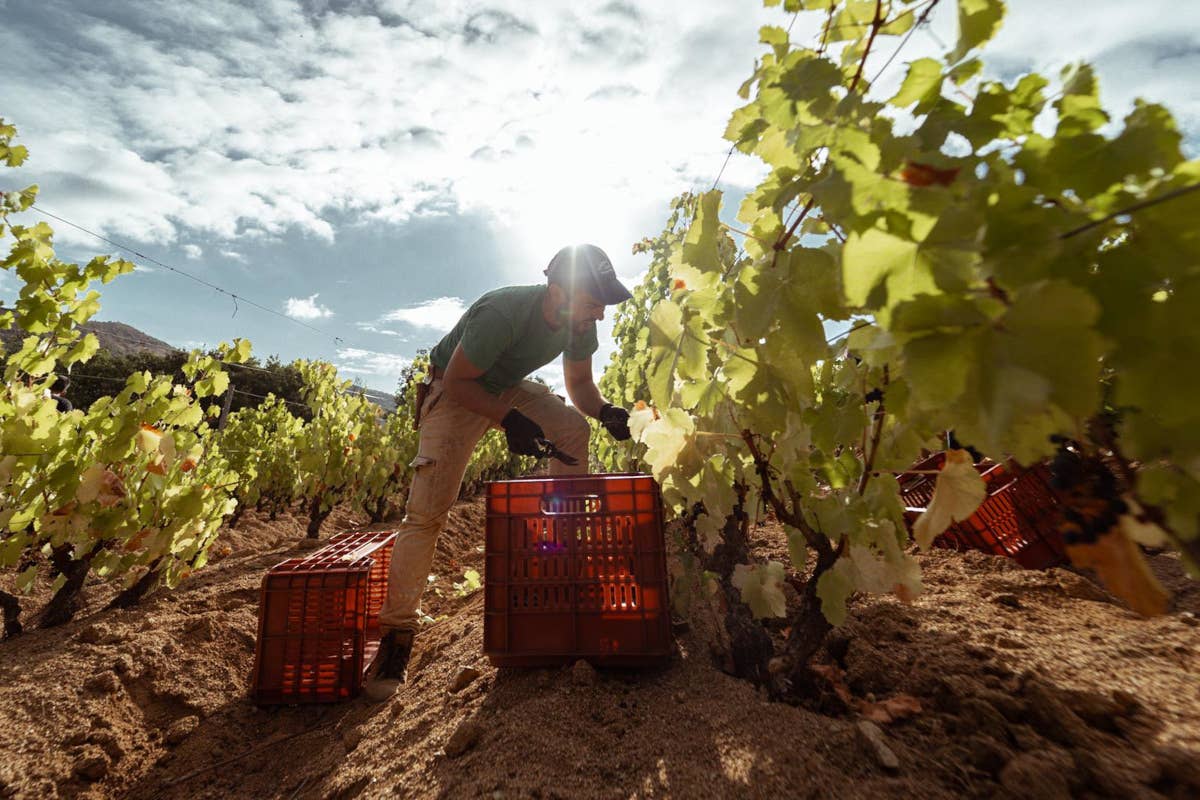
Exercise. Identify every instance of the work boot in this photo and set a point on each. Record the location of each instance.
(387, 670)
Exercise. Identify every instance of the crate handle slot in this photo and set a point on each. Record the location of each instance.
(367, 549)
(572, 505)
(1003, 488)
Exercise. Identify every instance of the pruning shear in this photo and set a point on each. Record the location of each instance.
(547, 449)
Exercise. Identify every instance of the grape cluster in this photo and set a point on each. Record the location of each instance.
(1092, 502)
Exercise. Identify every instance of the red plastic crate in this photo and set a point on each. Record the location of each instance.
(1019, 518)
(318, 620)
(576, 568)
(380, 543)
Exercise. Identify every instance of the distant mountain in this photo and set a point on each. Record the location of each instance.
(115, 337)
(385, 401)
(120, 339)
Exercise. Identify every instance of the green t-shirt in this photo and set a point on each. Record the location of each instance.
(505, 334)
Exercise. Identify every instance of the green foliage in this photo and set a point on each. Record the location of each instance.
(626, 379)
(995, 275)
(261, 445)
(129, 487)
(471, 583)
(329, 459)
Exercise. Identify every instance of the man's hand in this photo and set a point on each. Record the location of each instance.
(616, 421)
(522, 434)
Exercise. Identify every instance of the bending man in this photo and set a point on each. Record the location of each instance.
(479, 372)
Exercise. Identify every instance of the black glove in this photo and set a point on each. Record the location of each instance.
(616, 420)
(522, 434)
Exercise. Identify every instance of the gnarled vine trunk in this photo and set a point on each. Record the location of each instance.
(750, 646)
(316, 517)
(134, 594)
(65, 603)
(11, 608)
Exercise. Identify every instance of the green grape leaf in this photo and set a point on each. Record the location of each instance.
(978, 21)
(709, 528)
(876, 260)
(834, 588)
(667, 437)
(701, 245)
(82, 350)
(25, 580)
(762, 588)
(922, 85)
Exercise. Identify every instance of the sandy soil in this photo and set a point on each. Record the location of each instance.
(1030, 684)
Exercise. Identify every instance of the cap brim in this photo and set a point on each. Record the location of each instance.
(613, 292)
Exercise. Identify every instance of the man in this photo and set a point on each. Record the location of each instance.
(479, 381)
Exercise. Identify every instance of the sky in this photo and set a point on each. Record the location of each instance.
(370, 167)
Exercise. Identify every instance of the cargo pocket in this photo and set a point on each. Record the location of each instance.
(431, 399)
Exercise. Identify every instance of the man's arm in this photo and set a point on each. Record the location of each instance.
(581, 387)
(461, 386)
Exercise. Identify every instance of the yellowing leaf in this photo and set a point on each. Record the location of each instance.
(956, 495)
(890, 709)
(1123, 571)
(641, 416)
(166, 446)
(667, 437)
(147, 439)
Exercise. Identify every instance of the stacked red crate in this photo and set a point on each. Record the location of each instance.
(575, 568)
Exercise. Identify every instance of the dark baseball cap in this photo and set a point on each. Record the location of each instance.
(587, 267)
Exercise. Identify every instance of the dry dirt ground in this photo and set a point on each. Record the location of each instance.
(1030, 684)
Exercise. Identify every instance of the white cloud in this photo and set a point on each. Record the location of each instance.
(306, 308)
(192, 251)
(376, 113)
(552, 374)
(440, 315)
(371, 327)
(563, 122)
(233, 255)
(384, 369)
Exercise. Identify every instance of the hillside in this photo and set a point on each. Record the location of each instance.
(116, 338)
(1029, 684)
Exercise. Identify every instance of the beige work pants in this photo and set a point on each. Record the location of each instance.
(448, 435)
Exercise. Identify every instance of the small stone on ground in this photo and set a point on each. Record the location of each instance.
(181, 729)
(92, 764)
(873, 736)
(463, 678)
(464, 738)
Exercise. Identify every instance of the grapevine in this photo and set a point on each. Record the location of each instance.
(260, 443)
(994, 271)
(133, 489)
